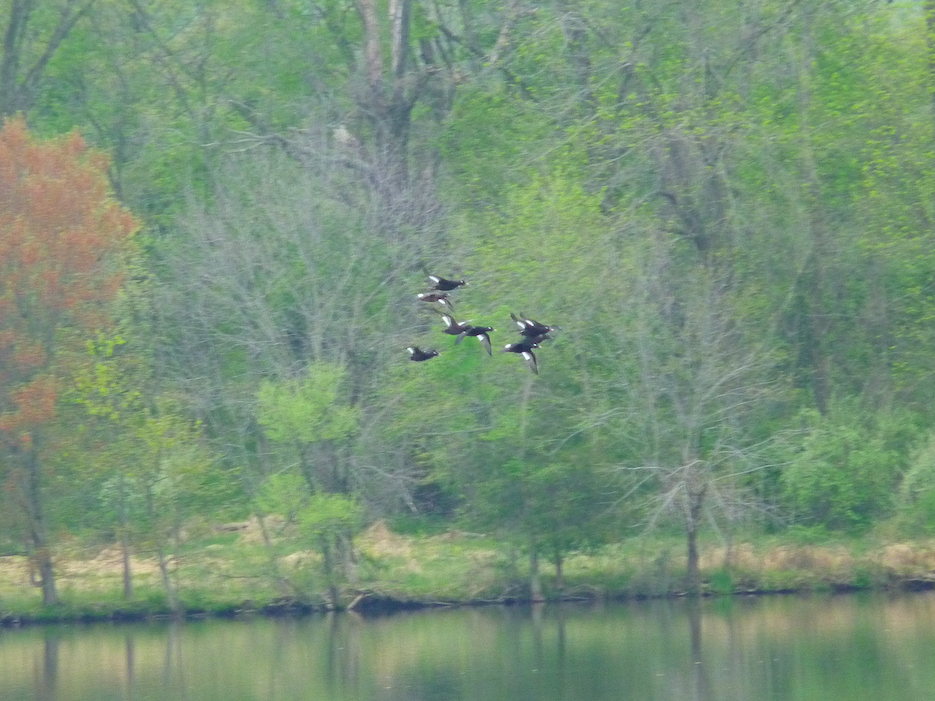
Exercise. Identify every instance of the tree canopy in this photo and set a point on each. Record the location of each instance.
(725, 207)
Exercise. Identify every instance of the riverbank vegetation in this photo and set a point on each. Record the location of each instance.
(225, 573)
(214, 221)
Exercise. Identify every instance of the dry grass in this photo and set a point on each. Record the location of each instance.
(457, 566)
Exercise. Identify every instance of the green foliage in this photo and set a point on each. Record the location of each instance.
(490, 124)
(600, 165)
(327, 516)
(151, 466)
(307, 409)
(846, 469)
(916, 496)
(722, 582)
(285, 494)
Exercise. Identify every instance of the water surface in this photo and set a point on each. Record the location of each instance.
(851, 648)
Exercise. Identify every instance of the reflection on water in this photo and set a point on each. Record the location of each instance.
(782, 648)
(699, 675)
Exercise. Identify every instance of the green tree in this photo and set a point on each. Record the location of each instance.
(329, 522)
(915, 499)
(845, 474)
(158, 470)
(307, 415)
(61, 266)
(33, 34)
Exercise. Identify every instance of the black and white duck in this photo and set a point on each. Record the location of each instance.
(525, 345)
(481, 333)
(524, 349)
(444, 284)
(455, 328)
(418, 355)
(440, 297)
(531, 327)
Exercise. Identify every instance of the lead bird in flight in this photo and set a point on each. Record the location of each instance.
(524, 348)
(445, 285)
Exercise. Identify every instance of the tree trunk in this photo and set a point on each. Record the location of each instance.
(327, 558)
(285, 587)
(125, 541)
(695, 502)
(17, 94)
(535, 581)
(171, 594)
(694, 575)
(559, 574)
(729, 549)
(125, 554)
(348, 557)
(38, 536)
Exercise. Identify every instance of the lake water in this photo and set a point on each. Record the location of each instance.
(850, 648)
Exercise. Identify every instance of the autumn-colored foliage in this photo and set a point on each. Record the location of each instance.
(59, 231)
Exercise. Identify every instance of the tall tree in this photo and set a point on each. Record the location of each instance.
(60, 267)
(32, 35)
(697, 385)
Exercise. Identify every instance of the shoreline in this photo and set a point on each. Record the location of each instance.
(374, 604)
(231, 579)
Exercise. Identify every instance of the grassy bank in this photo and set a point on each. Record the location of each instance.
(226, 573)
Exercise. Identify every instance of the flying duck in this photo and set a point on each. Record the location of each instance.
(523, 346)
(418, 355)
(536, 340)
(530, 327)
(480, 333)
(455, 328)
(525, 350)
(440, 297)
(444, 284)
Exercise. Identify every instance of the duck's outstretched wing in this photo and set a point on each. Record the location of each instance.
(485, 342)
(452, 326)
(531, 361)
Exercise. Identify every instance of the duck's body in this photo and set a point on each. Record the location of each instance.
(524, 350)
(440, 297)
(530, 327)
(455, 328)
(418, 355)
(536, 340)
(445, 285)
(523, 346)
(481, 333)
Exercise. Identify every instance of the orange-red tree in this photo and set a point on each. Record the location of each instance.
(61, 238)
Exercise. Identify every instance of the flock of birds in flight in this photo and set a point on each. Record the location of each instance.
(533, 333)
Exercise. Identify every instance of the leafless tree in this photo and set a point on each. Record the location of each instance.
(280, 271)
(696, 381)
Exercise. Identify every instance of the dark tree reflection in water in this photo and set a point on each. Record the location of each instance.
(853, 648)
(699, 673)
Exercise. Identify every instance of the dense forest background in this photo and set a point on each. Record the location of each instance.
(725, 205)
